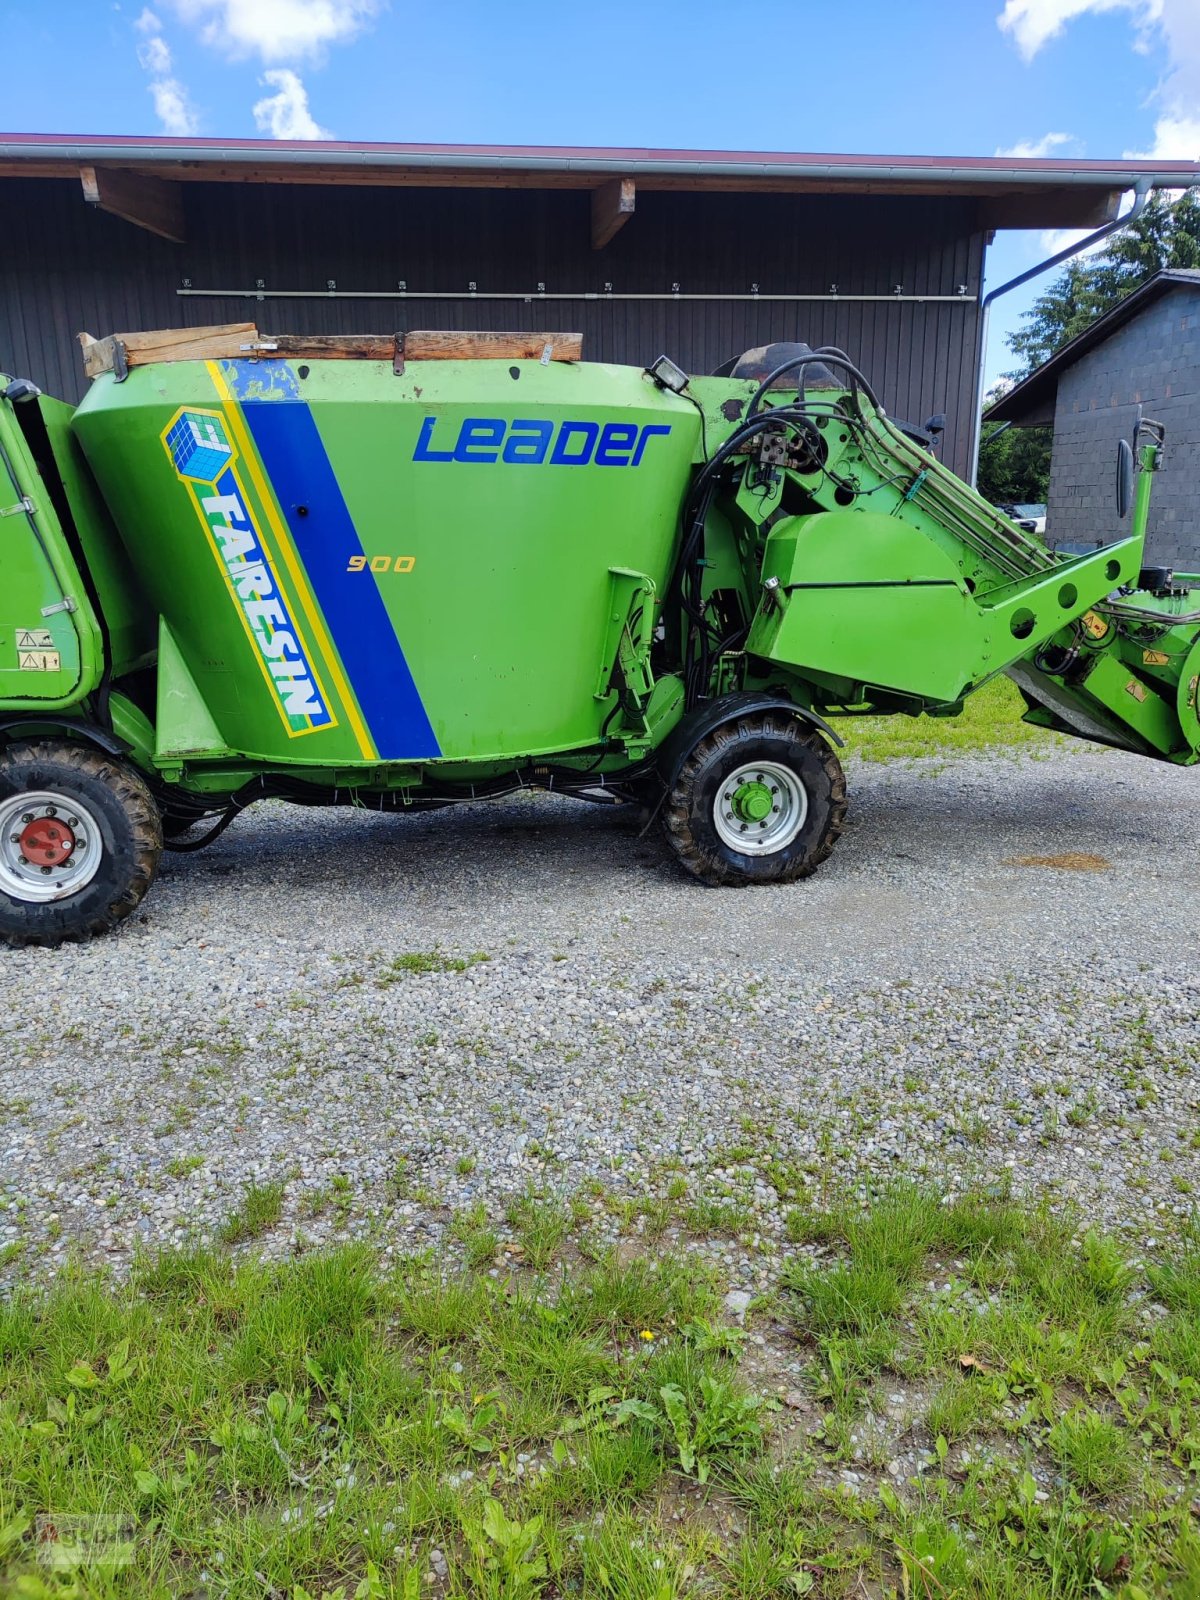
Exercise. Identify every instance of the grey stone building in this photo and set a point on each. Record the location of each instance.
(1144, 352)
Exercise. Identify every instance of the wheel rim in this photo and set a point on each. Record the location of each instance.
(50, 846)
(760, 808)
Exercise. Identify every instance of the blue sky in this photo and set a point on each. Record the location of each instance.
(1098, 78)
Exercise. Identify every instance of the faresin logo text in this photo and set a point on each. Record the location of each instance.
(205, 460)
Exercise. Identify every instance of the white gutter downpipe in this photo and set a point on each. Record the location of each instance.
(1141, 194)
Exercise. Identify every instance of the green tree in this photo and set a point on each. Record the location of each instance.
(1014, 463)
(1167, 234)
(1064, 309)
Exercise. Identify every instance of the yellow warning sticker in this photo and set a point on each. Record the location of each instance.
(39, 660)
(35, 639)
(1155, 658)
(1093, 624)
(1136, 689)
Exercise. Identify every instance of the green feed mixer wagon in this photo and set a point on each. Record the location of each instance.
(411, 571)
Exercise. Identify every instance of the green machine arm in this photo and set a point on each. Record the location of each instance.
(1127, 672)
(886, 584)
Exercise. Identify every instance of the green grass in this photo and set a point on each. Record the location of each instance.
(990, 719)
(1093, 1450)
(184, 1166)
(414, 962)
(541, 1225)
(260, 1209)
(319, 1427)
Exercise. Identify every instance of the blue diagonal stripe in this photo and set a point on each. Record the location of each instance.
(325, 537)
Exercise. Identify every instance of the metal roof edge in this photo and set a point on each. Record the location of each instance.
(982, 171)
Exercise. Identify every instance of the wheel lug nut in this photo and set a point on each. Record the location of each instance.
(51, 811)
(27, 816)
(23, 861)
(72, 822)
(14, 838)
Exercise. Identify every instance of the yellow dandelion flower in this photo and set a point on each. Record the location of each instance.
(647, 1335)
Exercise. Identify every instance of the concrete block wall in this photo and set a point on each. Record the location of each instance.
(1153, 361)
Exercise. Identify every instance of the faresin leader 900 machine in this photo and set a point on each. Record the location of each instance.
(408, 572)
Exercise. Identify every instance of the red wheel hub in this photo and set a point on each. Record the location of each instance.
(46, 842)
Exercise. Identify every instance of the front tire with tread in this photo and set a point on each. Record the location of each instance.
(130, 831)
(772, 737)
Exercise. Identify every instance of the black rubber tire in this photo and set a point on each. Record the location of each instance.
(769, 736)
(130, 831)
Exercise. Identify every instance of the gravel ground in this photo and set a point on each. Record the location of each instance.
(922, 1005)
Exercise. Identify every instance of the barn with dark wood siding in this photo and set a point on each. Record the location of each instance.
(698, 254)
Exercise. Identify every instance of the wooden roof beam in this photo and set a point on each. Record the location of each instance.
(1082, 208)
(147, 202)
(612, 207)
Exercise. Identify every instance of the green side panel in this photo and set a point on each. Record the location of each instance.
(465, 517)
(1151, 716)
(869, 598)
(130, 622)
(1187, 700)
(1112, 706)
(47, 662)
(213, 558)
(504, 603)
(184, 727)
(131, 724)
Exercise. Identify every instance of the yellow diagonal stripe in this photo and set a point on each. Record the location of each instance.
(283, 543)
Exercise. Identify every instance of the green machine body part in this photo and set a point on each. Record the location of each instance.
(51, 649)
(395, 601)
(407, 582)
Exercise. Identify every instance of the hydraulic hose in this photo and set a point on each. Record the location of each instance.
(826, 356)
(686, 586)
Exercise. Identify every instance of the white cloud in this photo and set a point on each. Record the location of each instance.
(171, 103)
(1175, 24)
(1033, 149)
(1176, 138)
(1056, 239)
(285, 114)
(1034, 23)
(173, 108)
(277, 30)
(155, 55)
